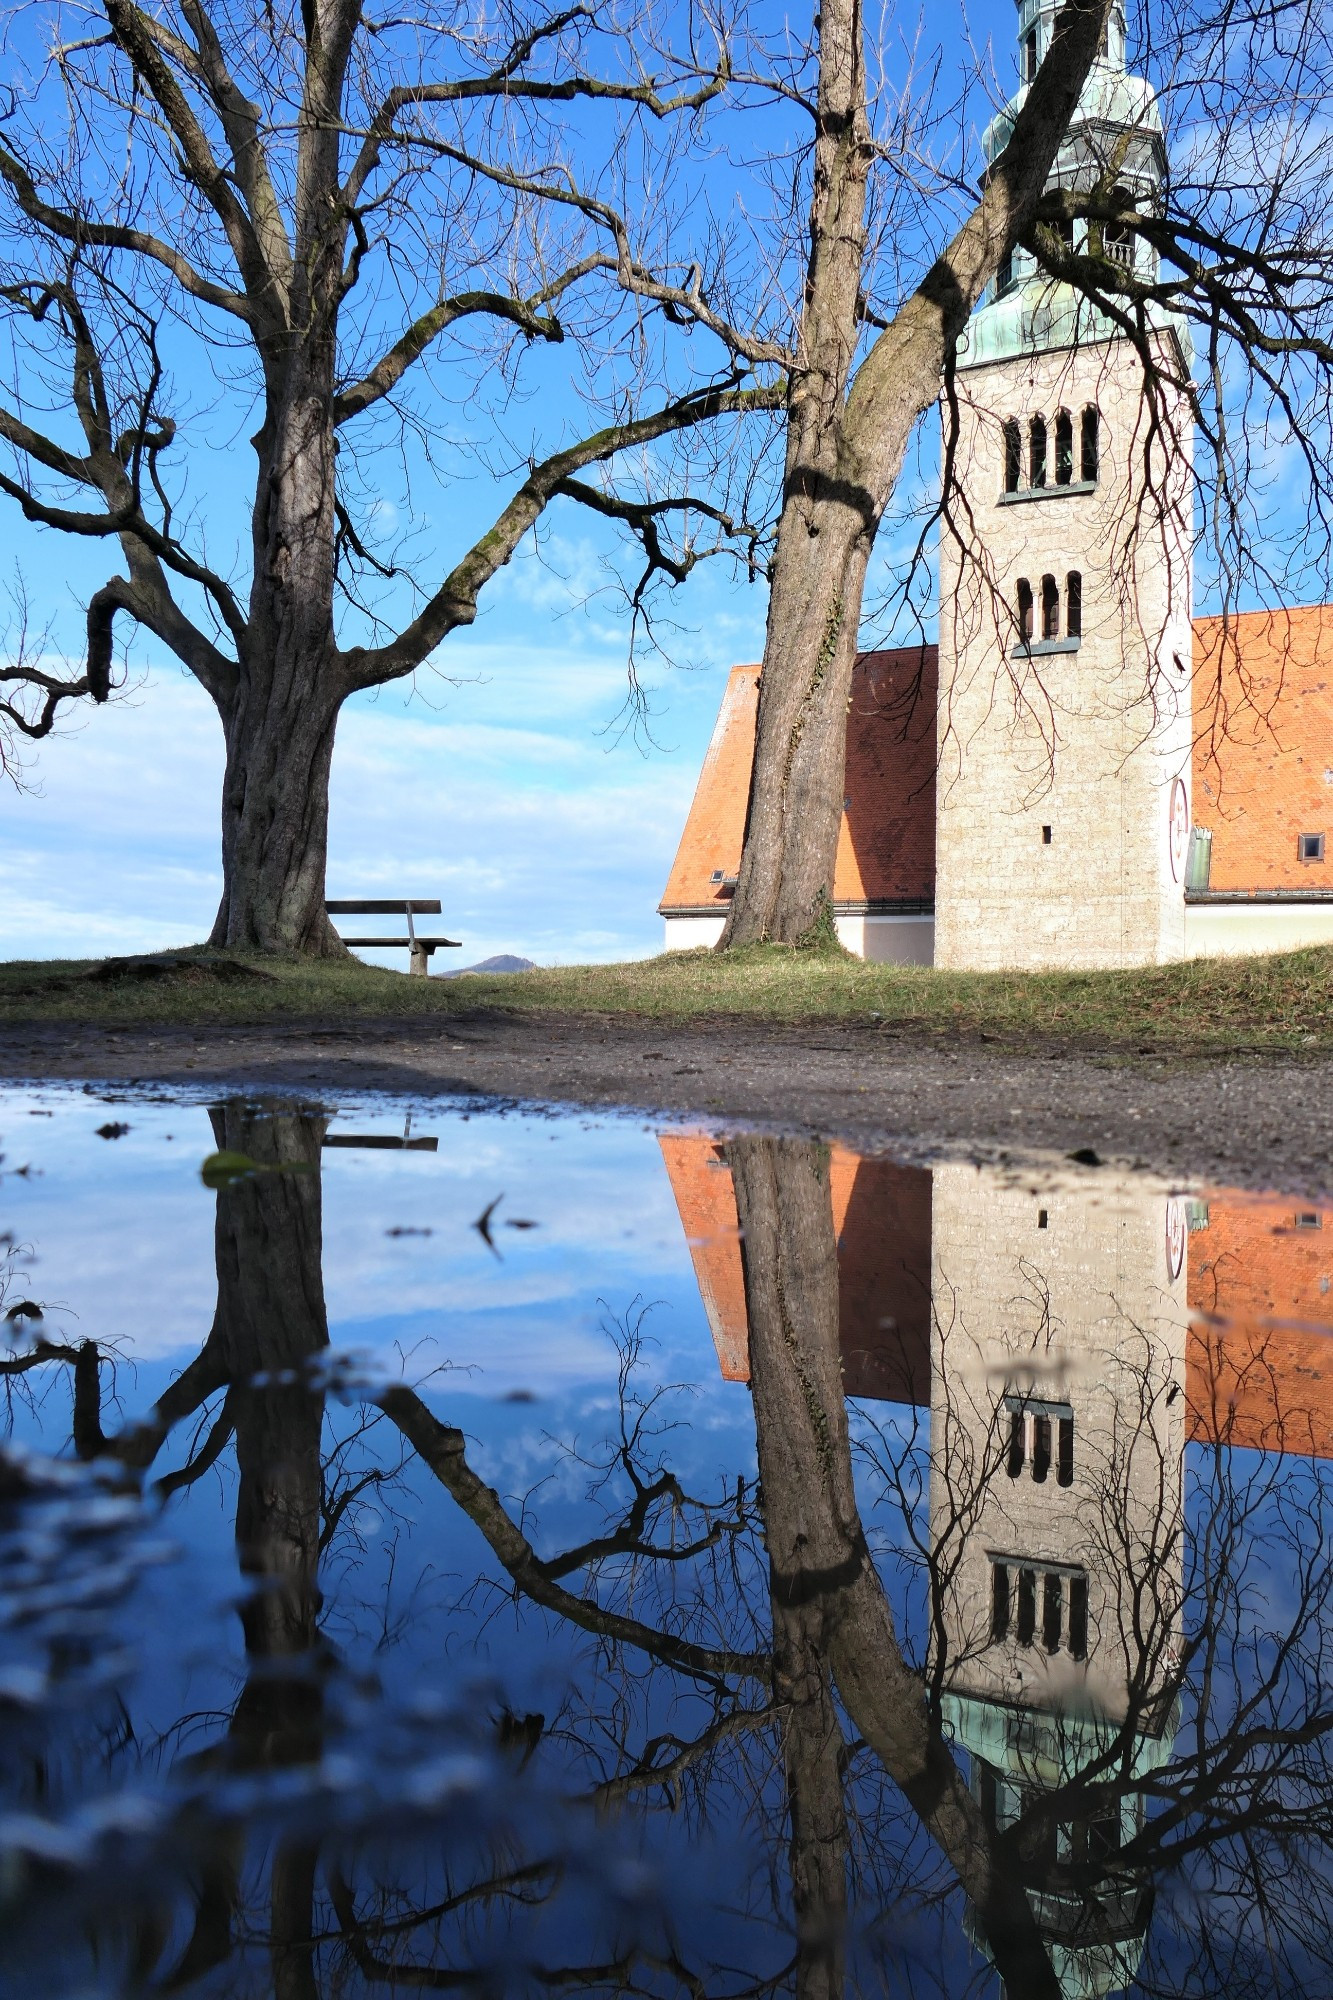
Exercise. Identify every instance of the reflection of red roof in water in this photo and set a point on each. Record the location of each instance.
(1260, 1356)
(881, 1213)
(706, 1200)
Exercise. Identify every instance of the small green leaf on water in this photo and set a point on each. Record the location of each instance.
(223, 1170)
(220, 1170)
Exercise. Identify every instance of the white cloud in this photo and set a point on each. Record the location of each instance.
(500, 796)
(121, 1235)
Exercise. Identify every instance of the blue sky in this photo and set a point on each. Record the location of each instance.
(506, 788)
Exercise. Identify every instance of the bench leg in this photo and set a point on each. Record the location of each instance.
(420, 961)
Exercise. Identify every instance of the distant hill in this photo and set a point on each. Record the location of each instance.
(504, 961)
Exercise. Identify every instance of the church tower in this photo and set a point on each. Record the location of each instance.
(1063, 801)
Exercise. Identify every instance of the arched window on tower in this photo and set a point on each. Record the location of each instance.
(1041, 1449)
(1050, 608)
(1037, 452)
(1089, 445)
(1004, 276)
(1064, 448)
(1013, 457)
(1078, 1617)
(1027, 1606)
(1024, 609)
(1030, 57)
(1074, 605)
(999, 1600)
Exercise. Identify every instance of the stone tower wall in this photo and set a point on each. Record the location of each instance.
(1089, 742)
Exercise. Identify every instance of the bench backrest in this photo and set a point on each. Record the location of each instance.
(417, 906)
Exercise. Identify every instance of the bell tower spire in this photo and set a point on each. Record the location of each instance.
(1065, 636)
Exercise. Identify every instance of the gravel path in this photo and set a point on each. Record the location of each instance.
(1248, 1121)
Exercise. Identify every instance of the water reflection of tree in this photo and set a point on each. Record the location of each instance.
(758, 1618)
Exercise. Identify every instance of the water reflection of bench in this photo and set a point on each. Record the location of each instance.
(383, 1142)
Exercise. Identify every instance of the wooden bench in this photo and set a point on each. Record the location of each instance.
(419, 947)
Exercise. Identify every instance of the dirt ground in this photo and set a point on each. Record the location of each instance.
(1249, 1121)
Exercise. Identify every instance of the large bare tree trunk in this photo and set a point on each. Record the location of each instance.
(275, 810)
(281, 720)
(802, 1290)
(270, 1324)
(824, 539)
(845, 449)
(272, 1320)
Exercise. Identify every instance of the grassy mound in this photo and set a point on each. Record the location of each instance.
(1204, 1006)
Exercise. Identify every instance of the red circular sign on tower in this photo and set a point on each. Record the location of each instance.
(1178, 828)
(1177, 1237)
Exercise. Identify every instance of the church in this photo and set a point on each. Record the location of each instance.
(1080, 773)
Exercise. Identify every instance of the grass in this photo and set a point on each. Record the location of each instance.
(1208, 1006)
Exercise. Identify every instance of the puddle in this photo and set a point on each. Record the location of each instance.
(457, 1550)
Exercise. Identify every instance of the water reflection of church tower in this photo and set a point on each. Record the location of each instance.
(1057, 1441)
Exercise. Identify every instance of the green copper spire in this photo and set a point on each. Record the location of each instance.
(1116, 130)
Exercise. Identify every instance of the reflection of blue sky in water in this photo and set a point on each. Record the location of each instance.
(121, 1235)
(122, 1239)
(427, 1638)
(122, 1232)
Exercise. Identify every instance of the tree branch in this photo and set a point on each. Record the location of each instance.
(642, 516)
(444, 1450)
(134, 35)
(686, 301)
(81, 230)
(455, 603)
(504, 81)
(411, 345)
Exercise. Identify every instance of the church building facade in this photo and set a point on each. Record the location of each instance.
(1080, 773)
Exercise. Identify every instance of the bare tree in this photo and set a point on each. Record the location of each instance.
(1238, 248)
(32, 691)
(279, 220)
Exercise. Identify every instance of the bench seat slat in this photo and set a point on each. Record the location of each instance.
(430, 943)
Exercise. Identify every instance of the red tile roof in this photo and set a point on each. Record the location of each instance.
(886, 849)
(1263, 767)
(1263, 758)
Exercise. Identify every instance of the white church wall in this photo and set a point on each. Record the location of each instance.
(882, 939)
(690, 933)
(889, 940)
(1239, 930)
